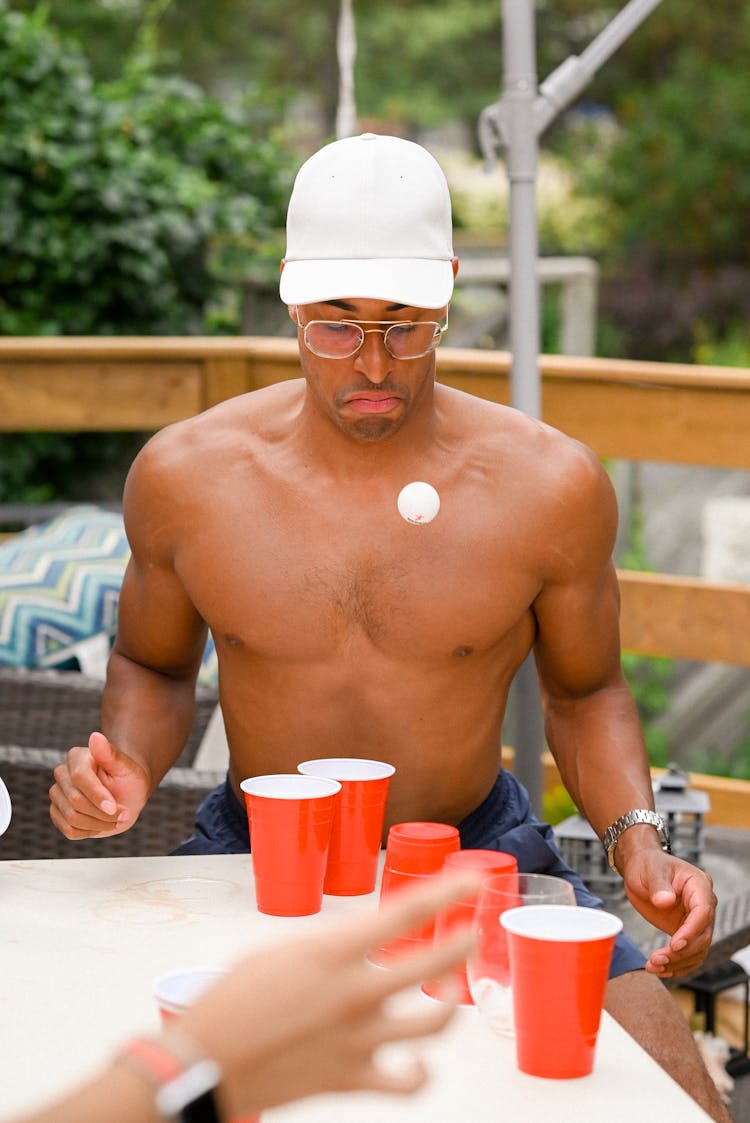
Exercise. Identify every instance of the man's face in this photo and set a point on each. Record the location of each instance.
(368, 395)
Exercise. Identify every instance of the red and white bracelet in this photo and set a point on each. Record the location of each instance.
(183, 1080)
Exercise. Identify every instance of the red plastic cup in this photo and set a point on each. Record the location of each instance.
(413, 852)
(290, 819)
(455, 987)
(559, 965)
(352, 866)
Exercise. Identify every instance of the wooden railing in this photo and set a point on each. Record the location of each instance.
(629, 410)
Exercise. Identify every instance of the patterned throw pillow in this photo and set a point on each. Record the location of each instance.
(59, 589)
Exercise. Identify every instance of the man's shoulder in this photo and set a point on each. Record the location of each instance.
(192, 454)
(239, 418)
(500, 423)
(253, 407)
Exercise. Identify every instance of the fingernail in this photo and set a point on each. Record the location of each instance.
(108, 806)
(678, 945)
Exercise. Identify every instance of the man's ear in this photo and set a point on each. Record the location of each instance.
(291, 308)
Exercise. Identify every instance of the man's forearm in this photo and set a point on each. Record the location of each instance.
(147, 714)
(598, 745)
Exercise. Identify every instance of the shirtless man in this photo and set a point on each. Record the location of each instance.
(342, 629)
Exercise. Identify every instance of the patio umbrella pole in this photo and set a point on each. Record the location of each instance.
(520, 92)
(516, 123)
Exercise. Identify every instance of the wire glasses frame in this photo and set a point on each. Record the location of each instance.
(402, 339)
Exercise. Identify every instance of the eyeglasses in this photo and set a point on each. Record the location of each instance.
(340, 339)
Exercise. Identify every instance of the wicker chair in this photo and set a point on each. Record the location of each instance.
(43, 713)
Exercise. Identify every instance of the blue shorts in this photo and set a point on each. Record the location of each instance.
(503, 821)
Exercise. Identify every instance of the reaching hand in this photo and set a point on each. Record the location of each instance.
(98, 791)
(309, 1016)
(677, 898)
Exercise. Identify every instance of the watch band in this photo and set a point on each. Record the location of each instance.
(190, 1096)
(616, 830)
(184, 1082)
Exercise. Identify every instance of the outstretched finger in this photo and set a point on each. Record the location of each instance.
(412, 908)
(432, 963)
(406, 1078)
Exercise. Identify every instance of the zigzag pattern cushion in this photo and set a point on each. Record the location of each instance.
(60, 585)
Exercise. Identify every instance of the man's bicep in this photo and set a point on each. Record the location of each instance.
(158, 626)
(577, 648)
(577, 608)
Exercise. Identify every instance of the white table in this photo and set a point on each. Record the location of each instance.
(82, 939)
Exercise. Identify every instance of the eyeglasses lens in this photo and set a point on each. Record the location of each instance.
(337, 339)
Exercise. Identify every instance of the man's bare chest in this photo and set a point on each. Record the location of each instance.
(309, 587)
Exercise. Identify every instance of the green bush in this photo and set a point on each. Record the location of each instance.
(113, 197)
(557, 804)
(673, 175)
(718, 762)
(649, 677)
(122, 207)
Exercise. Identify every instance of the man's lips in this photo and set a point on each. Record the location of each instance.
(372, 403)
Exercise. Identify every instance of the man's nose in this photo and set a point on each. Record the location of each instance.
(373, 359)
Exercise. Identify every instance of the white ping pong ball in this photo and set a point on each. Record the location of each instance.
(418, 503)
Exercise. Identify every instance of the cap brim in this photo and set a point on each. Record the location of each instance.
(418, 283)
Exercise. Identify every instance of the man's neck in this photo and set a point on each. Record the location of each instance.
(340, 454)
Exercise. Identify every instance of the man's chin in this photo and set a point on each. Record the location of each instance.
(368, 430)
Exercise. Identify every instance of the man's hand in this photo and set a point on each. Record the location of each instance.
(98, 791)
(677, 898)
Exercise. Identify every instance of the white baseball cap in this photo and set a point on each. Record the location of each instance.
(370, 218)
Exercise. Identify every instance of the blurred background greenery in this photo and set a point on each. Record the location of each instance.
(148, 144)
(148, 147)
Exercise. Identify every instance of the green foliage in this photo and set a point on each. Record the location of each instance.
(649, 677)
(719, 762)
(657, 746)
(411, 62)
(113, 196)
(430, 43)
(672, 164)
(40, 467)
(557, 805)
(731, 349)
(105, 31)
(683, 155)
(121, 205)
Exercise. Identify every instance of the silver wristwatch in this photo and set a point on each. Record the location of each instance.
(614, 832)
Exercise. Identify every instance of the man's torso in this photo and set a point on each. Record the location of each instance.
(340, 628)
